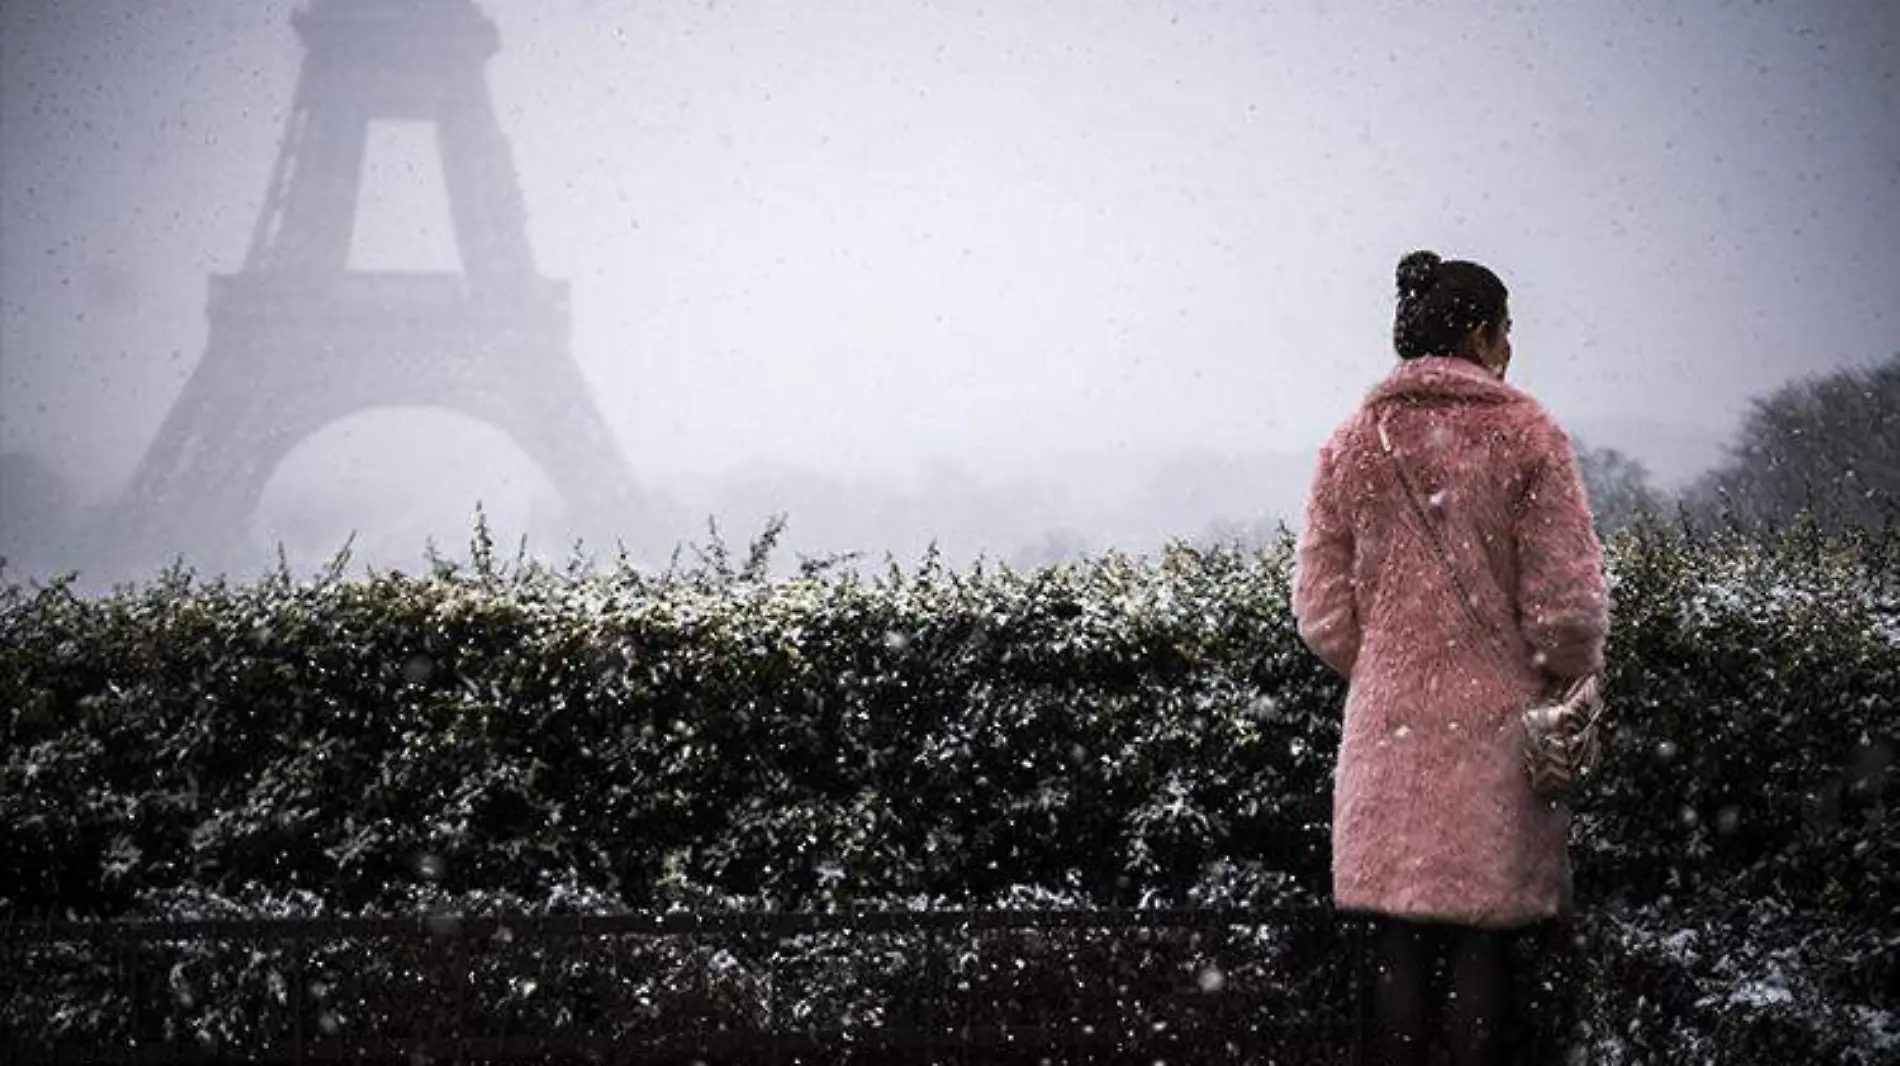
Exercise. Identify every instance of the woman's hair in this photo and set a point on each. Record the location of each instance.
(1441, 302)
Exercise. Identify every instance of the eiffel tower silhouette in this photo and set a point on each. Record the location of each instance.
(298, 340)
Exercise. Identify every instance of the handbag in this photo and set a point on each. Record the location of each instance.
(1563, 737)
(1564, 729)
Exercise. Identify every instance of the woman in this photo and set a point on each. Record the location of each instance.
(1437, 835)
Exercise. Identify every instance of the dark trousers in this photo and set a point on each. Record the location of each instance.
(1433, 980)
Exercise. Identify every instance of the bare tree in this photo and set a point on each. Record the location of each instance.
(1828, 446)
(1617, 485)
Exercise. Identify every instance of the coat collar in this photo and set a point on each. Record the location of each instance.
(1438, 380)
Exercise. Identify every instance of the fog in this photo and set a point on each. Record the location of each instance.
(1019, 279)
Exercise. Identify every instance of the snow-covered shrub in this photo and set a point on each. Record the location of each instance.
(1755, 688)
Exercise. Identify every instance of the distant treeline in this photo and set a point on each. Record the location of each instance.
(1827, 447)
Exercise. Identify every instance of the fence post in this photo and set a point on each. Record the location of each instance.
(933, 980)
(1361, 982)
(459, 974)
(296, 997)
(774, 938)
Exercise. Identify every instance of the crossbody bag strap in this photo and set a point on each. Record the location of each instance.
(1485, 631)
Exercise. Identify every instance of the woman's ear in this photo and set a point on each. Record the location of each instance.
(1488, 344)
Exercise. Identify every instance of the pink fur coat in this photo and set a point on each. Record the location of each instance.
(1433, 816)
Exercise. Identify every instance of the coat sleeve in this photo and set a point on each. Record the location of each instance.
(1323, 592)
(1562, 602)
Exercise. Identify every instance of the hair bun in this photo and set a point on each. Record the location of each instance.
(1418, 272)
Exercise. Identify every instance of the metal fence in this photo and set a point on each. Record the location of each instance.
(1092, 986)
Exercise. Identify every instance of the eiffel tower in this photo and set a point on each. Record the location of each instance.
(298, 340)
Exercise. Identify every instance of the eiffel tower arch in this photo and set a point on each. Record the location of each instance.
(298, 340)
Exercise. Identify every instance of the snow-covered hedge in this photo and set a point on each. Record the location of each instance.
(1116, 731)
(1741, 880)
(1109, 729)
(1756, 687)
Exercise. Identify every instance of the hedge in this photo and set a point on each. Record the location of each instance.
(1115, 731)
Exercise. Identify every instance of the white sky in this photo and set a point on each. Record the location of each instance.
(873, 238)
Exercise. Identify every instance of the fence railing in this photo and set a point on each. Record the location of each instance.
(1031, 986)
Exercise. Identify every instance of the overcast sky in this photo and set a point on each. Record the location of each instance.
(875, 238)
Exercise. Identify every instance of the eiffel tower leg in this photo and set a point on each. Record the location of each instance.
(320, 193)
(484, 199)
(197, 489)
(551, 415)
